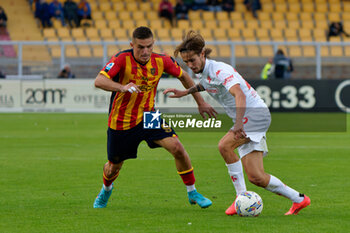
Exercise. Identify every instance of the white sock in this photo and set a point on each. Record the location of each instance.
(235, 171)
(276, 186)
(190, 188)
(107, 188)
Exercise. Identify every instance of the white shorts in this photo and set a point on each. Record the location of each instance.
(252, 146)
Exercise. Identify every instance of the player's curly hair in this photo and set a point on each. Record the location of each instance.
(193, 41)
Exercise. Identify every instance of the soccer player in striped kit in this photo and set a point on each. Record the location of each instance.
(249, 113)
(132, 76)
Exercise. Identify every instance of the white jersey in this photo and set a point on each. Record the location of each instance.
(217, 78)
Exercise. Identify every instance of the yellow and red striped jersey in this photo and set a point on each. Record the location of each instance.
(126, 109)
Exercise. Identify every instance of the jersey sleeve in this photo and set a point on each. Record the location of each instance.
(112, 68)
(227, 78)
(172, 67)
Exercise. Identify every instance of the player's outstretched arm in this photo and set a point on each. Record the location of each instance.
(107, 84)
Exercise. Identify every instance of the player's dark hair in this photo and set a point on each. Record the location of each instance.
(193, 41)
(142, 33)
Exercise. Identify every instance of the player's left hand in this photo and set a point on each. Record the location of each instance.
(176, 93)
(208, 109)
(238, 131)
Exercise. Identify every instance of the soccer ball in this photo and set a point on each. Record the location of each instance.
(249, 204)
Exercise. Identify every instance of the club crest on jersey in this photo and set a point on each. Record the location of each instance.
(109, 66)
(153, 71)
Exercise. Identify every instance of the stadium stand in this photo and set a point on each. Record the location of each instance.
(279, 20)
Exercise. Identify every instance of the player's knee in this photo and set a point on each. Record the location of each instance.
(177, 150)
(224, 148)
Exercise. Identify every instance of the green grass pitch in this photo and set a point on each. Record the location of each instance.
(51, 171)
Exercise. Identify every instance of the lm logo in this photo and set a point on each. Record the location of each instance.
(151, 120)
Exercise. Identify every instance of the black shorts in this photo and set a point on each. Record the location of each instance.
(123, 144)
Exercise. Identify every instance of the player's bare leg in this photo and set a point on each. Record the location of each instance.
(110, 173)
(184, 169)
(254, 168)
(227, 145)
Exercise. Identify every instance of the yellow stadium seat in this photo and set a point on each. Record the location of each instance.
(294, 7)
(151, 15)
(78, 33)
(305, 34)
(127, 24)
(281, 7)
(105, 6)
(97, 51)
(214, 51)
(93, 6)
(252, 50)
(224, 51)
(222, 15)
(253, 24)
(207, 34)
(84, 51)
(49, 33)
(307, 24)
(264, 16)
(266, 51)
(290, 34)
(308, 7)
(346, 6)
(309, 51)
(319, 16)
(145, 6)
(345, 17)
(295, 51)
(248, 34)
(266, 24)
(281, 24)
(124, 15)
(118, 6)
(107, 34)
(63, 33)
(121, 34)
(276, 34)
(139, 23)
(176, 34)
(240, 51)
(335, 39)
(71, 51)
(236, 16)
(322, 8)
(226, 24)
(97, 15)
(305, 16)
(131, 6)
(262, 34)
(278, 16)
(291, 16)
(162, 34)
(347, 51)
(294, 24)
(168, 49)
(194, 15)
(319, 35)
(183, 24)
(138, 15)
(114, 24)
(156, 23)
(92, 33)
(197, 24)
(234, 34)
(111, 15)
(268, 7)
(335, 8)
(325, 51)
(112, 50)
(322, 24)
(208, 15)
(239, 24)
(211, 24)
(100, 24)
(220, 34)
(334, 17)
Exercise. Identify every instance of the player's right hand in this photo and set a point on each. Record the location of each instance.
(177, 93)
(131, 87)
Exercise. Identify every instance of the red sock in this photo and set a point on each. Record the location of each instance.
(187, 176)
(108, 181)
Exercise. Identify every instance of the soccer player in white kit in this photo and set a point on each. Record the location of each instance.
(249, 113)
